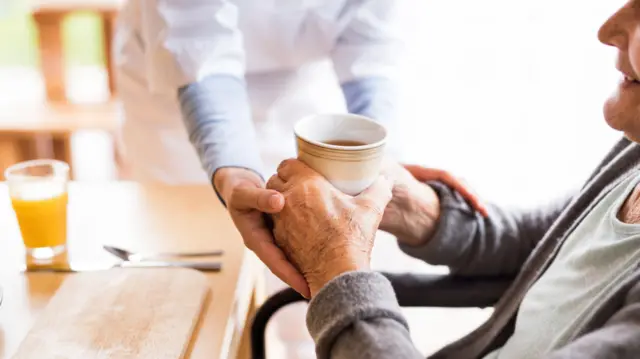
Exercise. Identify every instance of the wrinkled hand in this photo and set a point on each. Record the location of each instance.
(323, 231)
(247, 202)
(414, 210)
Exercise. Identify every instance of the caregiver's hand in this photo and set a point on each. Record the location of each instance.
(247, 201)
(323, 231)
(413, 213)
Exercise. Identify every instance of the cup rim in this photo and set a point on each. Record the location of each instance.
(8, 175)
(296, 131)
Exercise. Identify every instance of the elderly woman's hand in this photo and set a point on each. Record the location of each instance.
(413, 213)
(323, 231)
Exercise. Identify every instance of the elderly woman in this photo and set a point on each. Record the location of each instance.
(577, 287)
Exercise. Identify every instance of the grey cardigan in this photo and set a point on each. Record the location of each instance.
(356, 315)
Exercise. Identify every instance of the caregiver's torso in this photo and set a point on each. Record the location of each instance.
(277, 34)
(285, 34)
(287, 45)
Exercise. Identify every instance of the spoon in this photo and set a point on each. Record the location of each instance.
(133, 257)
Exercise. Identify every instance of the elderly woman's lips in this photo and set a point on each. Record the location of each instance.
(628, 82)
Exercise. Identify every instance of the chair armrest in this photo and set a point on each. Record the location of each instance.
(447, 291)
(412, 290)
(263, 315)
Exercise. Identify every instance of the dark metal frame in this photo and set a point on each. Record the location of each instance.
(412, 290)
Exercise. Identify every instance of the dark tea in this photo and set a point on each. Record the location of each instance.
(346, 143)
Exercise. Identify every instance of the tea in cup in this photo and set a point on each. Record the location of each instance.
(346, 149)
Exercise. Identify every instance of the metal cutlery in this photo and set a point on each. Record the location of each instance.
(138, 257)
(201, 266)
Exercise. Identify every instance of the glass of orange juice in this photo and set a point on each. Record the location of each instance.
(38, 191)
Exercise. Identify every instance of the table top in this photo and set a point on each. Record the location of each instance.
(141, 218)
(59, 117)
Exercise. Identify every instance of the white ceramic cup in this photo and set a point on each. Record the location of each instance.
(350, 168)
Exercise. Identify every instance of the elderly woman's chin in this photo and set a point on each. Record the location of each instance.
(622, 112)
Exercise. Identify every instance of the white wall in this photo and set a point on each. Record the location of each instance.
(508, 93)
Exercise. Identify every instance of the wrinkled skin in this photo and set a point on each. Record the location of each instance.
(410, 216)
(247, 201)
(323, 231)
(414, 210)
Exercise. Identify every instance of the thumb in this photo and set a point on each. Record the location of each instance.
(263, 200)
(377, 196)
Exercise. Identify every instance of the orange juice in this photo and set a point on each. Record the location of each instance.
(43, 221)
(38, 191)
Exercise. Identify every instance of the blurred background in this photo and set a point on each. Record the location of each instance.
(505, 93)
(71, 35)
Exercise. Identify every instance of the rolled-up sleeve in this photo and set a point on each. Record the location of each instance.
(371, 43)
(186, 41)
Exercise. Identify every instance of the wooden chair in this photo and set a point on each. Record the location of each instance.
(48, 16)
(45, 130)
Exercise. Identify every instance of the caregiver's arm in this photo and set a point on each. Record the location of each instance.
(373, 97)
(367, 57)
(217, 117)
(194, 50)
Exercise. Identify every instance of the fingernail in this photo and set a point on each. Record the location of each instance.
(274, 201)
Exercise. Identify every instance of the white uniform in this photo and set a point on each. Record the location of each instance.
(285, 49)
(288, 51)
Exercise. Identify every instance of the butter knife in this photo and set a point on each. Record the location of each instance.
(201, 266)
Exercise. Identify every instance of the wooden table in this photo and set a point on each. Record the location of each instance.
(48, 16)
(139, 217)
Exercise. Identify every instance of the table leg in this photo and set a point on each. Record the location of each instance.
(258, 296)
(108, 27)
(51, 53)
(244, 348)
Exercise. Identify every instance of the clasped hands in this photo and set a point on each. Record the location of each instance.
(323, 232)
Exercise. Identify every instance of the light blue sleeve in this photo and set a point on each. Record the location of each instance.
(217, 117)
(374, 97)
(216, 113)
